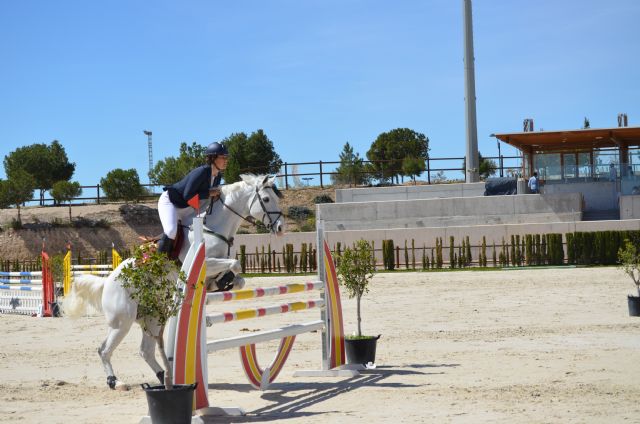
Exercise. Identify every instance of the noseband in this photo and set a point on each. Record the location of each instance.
(267, 213)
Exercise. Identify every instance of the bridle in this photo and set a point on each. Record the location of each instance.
(267, 213)
(250, 219)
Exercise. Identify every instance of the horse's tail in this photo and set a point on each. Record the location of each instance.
(85, 290)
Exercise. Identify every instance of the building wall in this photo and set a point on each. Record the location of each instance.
(435, 191)
(598, 195)
(457, 211)
(630, 207)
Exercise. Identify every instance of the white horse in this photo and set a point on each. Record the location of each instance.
(253, 198)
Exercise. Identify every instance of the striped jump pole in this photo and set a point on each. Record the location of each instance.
(262, 312)
(263, 292)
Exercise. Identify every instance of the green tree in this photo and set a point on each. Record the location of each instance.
(351, 169)
(250, 154)
(172, 169)
(355, 270)
(122, 184)
(412, 167)
(629, 259)
(390, 148)
(65, 191)
(17, 190)
(487, 167)
(46, 164)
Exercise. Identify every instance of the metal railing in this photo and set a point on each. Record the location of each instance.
(320, 173)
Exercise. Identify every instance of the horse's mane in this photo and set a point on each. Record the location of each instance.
(227, 189)
(246, 180)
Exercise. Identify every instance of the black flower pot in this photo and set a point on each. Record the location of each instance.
(361, 350)
(173, 406)
(634, 305)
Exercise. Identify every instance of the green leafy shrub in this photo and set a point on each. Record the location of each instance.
(151, 281)
(387, 255)
(299, 213)
(629, 258)
(323, 198)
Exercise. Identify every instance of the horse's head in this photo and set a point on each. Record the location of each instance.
(264, 205)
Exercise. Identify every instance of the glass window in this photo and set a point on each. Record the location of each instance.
(634, 160)
(584, 164)
(548, 166)
(569, 160)
(602, 159)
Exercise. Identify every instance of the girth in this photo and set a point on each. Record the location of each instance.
(229, 241)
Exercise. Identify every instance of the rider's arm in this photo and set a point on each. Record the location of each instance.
(195, 181)
(214, 190)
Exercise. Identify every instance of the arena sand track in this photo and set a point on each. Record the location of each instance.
(527, 346)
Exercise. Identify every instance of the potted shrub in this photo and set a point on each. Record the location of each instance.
(629, 258)
(151, 281)
(355, 270)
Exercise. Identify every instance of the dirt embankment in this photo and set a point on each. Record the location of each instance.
(95, 228)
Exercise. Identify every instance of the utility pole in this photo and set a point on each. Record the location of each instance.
(150, 146)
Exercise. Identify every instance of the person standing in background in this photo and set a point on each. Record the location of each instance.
(533, 183)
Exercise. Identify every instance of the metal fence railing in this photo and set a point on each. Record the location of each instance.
(319, 174)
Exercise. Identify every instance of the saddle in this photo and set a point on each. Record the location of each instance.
(177, 243)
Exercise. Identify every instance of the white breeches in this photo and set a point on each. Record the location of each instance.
(170, 214)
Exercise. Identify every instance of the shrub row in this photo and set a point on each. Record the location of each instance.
(599, 247)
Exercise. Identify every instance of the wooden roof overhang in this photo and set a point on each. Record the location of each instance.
(585, 139)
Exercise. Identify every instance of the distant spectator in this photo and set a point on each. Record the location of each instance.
(635, 190)
(533, 183)
(612, 172)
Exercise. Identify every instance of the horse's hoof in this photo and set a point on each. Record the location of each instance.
(238, 283)
(121, 387)
(111, 381)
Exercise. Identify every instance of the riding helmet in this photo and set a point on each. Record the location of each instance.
(216, 149)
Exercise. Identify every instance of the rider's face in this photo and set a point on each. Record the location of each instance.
(221, 162)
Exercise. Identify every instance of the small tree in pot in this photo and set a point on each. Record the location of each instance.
(629, 258)
(355, 270)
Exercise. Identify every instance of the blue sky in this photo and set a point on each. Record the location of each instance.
(312, 74)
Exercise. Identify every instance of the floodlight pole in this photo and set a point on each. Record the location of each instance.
(471, 162)
(150, 146)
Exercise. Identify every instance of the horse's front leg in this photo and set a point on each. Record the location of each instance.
(223, 274)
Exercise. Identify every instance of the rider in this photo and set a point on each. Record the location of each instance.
(203, 181)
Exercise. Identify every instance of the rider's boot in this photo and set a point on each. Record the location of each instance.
(165, 245)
